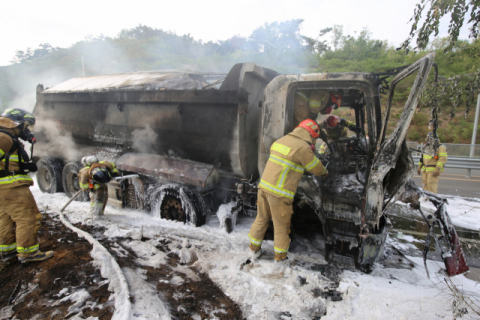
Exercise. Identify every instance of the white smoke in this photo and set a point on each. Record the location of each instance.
(59, 142)
(144, 140)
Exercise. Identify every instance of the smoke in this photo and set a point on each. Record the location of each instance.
(144, 140)
(60, 143)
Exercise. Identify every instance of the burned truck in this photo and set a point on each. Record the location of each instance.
(198, 140)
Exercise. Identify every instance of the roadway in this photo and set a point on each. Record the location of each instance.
(453, 182)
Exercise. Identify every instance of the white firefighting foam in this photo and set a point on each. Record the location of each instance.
(264, 289)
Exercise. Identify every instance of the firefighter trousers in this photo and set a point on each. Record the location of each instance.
(278, 209)
(98, 200)
(20, 220)
(430, 182)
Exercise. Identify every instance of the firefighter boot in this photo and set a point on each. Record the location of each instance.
(255, 254)
(288, 261)
(7, 256)
(39, 256)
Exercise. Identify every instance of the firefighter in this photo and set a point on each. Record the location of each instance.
(336, 127)
(94, 177)
(307, 105)
(432, 162)
(20, 218)
(290, 157)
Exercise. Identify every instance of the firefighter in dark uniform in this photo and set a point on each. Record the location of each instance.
(20, 218)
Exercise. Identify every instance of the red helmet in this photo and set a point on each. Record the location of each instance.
(311, 126)
(336, 98)
(332, 121)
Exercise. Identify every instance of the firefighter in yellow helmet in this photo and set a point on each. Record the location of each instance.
(94, 177)
(290, 157)
(432, 162)
(20, 218)
(308, 104)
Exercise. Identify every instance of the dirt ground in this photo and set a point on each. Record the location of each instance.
(34, 291)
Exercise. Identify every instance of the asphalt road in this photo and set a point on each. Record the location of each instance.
(453, 182)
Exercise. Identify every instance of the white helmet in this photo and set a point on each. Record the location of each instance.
(89, 160)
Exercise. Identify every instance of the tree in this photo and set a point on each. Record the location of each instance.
(315, 46)
(29, 54)
(437, 9)
(459, 89)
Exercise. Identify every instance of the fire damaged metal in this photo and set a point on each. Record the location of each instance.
(179, 170)
(448, 244)
(198, 140)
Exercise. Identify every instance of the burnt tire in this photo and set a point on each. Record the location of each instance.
(49, 175)
(180, 205)
(70, 181)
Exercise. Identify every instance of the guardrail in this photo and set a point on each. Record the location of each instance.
(462, 163)
(456, 150)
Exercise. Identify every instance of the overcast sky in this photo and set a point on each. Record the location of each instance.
(62, 23)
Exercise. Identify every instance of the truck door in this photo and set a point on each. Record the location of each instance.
(391, 154)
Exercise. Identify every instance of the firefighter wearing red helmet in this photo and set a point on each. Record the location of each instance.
(336, 127)
(94, 177)
(308, 104)
(290, 157)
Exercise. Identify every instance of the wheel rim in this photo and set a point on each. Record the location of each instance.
(45, 178)
(171, 209)
(73, 182)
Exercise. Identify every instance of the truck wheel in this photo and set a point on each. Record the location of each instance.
(71, 182)
(180, 205)
(49, 175)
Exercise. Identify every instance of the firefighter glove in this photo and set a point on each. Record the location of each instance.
(325, 174)
(356, 129)
(436, 173)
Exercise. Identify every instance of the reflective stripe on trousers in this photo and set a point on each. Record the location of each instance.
(8, 247)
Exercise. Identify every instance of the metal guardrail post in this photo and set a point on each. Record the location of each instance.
(474, 136)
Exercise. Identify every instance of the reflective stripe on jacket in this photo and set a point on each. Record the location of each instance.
(317, 100)
(289, 157)
(430, 163)
(8, 182)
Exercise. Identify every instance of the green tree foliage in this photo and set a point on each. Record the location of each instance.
(29, 54)
(437, 9)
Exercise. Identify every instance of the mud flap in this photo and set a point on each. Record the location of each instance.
(456, 263)
(449, 243)
(370, 249)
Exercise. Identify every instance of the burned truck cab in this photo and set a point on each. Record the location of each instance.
(348, 205)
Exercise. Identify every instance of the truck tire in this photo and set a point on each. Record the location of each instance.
(49, 175)
(169, 203)
(70, 181)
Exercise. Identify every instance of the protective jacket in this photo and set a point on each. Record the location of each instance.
(308, 104)
(430, 163)
(340, 130)
(289, 157)
(85, 174)
(20, 218)
(12, 149)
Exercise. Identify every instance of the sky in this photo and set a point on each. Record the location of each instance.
(29, 23)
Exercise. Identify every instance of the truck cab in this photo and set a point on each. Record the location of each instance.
(366, 169)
